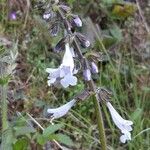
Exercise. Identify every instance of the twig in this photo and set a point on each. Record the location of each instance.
(43, 129)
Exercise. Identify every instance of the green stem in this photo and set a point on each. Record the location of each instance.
(3, 91)
(4, 107)
(100, 124)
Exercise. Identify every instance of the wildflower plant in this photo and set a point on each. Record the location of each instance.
(65, 75)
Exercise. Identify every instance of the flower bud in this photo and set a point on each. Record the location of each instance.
(60, 45)
(65, 8)
(83, 40)
(46, 16)
(76, 21)
(94, 68)
(87, 75)
(54, 29)
(13, 16)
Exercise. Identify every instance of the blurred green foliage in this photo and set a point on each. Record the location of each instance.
(126, 75)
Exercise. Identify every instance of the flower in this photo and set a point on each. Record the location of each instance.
(122, 124)
(62, 110)
(13, 16)
(94, 68)
(64, 73)
(87, 74)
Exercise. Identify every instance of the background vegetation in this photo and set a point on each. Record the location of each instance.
(117, 29)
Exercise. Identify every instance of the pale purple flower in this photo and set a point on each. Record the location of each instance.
(87, 74)
(64, 73)
(13, 16)
(122, 124)
(62, 110)
(94, 68)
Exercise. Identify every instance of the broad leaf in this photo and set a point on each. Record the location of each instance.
(51, 129)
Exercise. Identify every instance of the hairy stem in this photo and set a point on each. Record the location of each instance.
(3, 97)
(3, 91)
(92, 88)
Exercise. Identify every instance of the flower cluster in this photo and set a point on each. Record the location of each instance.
(65, 74)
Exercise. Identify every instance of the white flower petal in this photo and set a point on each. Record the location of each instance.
(51, 81)
(122, 124)
(62, 110)
(68, 58)
(68, 80)
(125, 137)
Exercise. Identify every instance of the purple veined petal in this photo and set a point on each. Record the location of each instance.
(87, 74)
(62, 110)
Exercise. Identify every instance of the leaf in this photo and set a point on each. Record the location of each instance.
(116, 33)
(41, 139)
(7, 139)
(24, 130)
(64, 139)
(4, 80)
(51, 129)
(21, 144)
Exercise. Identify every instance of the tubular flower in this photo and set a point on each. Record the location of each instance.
(122, 124)
(62, 110)
(64, 73)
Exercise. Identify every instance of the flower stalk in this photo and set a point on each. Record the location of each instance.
(3, 91)
(92, 87)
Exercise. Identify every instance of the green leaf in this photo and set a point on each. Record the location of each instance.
(41, 139)
(64, 139)
(4, 80)
(24, 130)
(7, 139)
(21, 144)
(51, 129)
(116, 33)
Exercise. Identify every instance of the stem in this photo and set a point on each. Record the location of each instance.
(92, 87)
(3, 89)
